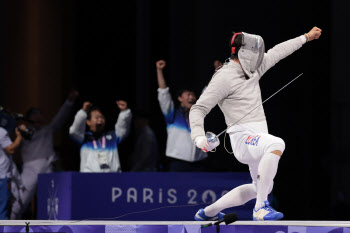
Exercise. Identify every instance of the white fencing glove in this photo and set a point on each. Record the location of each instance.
(201, 142)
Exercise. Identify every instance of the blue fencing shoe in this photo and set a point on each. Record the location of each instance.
(200, 216)
(266, 213)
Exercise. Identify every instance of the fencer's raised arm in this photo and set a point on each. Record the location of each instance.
(77, 130)
(160, 76)
(218, 89)
(282, 50)
(122, 127)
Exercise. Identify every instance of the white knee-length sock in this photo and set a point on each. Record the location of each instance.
(237, 196)
(266, 173)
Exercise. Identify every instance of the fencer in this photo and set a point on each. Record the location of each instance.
(235, 88)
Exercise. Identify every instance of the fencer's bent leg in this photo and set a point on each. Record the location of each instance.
(250, 153)
(239, 195)
(267, 171)
(236, 197)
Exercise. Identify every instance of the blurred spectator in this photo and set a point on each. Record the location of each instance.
(99, 152)
(145, 155)
(6, 166)
(38, 154)
(183, 154)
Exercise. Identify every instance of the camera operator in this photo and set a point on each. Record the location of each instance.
(38, 153)
(8, 148)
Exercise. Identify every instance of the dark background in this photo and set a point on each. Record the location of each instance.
(107, 51)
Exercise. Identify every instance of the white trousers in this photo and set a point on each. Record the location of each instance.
(249, 146)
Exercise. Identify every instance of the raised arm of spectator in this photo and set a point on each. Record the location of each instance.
(160, 76)
(8, 146)
(164, 97)
(122, 127)
(77, 130)
(62, 115)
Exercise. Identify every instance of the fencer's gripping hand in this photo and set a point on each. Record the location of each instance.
(314, 33)
(201, 142)
(122, 105)
(160, 64)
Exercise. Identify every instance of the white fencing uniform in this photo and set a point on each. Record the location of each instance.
(235, 88)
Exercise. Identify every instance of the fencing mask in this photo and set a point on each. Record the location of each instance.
(251, 52)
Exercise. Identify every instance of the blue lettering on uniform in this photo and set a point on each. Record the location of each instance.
(253, 140)
(257, 140)
(249, 140)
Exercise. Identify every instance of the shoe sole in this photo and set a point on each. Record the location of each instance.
(198, 218)
(279, 217)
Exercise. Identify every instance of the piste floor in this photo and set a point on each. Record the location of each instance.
(174, 227)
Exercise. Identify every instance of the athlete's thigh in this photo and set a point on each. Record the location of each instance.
(237, 144)
(258, 143)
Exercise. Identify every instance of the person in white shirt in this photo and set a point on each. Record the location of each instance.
(7, 149)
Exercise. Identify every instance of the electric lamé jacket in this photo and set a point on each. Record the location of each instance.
(237, 91)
